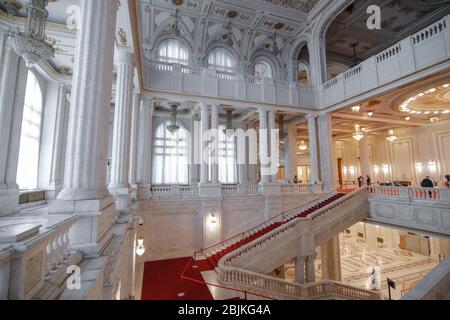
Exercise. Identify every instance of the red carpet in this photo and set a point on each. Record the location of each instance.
(162, 280)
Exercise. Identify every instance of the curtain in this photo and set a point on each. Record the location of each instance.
(263, 70)
(173, 51)
(221, 59)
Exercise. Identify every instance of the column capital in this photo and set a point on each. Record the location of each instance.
(311, 116)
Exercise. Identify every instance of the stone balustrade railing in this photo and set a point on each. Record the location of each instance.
(411, 193)
(227, 190)
(232, 273)
(282, 289)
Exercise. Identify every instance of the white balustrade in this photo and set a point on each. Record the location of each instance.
(411, 193)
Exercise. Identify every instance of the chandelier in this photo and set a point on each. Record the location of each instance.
(303, 146)
(229, 131)
(281, 125)
(173, 127)
(140, 248)
(391, 137)
(359, 135)
(11, 7)
(31, 44)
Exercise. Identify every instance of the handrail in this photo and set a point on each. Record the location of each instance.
(263, 223)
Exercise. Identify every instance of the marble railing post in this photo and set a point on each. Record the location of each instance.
(59, 142)
(13, 81)
(134, 144)
(85, 191)
(145, 147)
(119, 184)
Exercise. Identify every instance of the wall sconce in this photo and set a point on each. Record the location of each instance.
(212, 220)
(352, 170)
(432, 166)
(345, 170)
(376, 169)
(140, 248)
(386, 168)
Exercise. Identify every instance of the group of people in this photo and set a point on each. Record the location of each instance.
(361, 181)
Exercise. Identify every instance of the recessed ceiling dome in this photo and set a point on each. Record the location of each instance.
(434, 100)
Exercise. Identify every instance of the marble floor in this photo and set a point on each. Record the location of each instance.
(358, 261)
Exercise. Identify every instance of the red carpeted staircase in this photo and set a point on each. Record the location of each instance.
(215, 257)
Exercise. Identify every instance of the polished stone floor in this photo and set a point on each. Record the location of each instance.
(358, 262)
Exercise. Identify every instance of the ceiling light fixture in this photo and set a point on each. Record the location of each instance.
(140, 248)
(370, 114)
(173, 127)
(31, 44)
(356, 108)
(358, 136)
(303, 146)
(391, 137)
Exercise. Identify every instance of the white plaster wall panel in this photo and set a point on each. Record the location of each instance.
(403, 158)
(425, 216)
(227, 88)
(443, 142)
(254, 92)
(239, 215)
(429, 52)
(388, 70)
(160, 80)
(282, 95)
(446, 219)
(385, 211)
(193, 85)
(352, 86)
(269, 94)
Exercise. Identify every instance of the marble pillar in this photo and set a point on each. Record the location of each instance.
(243, 167)
(215, 143)
(331, 260)
(313, 156)
(59, 143)
(134, 144)
(310, 269)
(326, 152)
(145, 146)
(272, 131)
(13, 81)
(119, 185)
(84, 192)
(300, 269)
(263, 145)
(364, 157)
(290, 154)
(204, 114)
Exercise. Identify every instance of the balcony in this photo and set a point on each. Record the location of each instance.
(175, 78)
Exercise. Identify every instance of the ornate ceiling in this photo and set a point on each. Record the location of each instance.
(399, 19)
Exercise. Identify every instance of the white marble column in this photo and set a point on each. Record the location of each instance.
(215, 141)
(326, 152)
(204, 114)
(59, 142)
(331, 259)
(310, 269)
(300, 269)
(243, 167)
(364, 157)
(119, 184)
(85, 191)
(290, 154)
(145, 149)
(263, 144)
(13, 81)
(313, 156)
(317, 58)
(272, 129)
(134, 143)
(194, 151)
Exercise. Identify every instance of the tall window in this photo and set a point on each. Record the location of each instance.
(170, 157)
(27, 171)
(173, 51)
(221, 59)
(263, 69)
(227, 158)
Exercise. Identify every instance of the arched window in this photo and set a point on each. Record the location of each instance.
(170, 157)
(173, 51)
(263, 69)
(221, 59)
(227, 158)
(27, 171)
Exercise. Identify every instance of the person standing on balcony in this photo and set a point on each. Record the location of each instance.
(447, 181)
(360, 181)
(369, 181)
(296, 180)
(427, 183)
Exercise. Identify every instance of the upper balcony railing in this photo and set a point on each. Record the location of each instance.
(183, 79)
(426, 48)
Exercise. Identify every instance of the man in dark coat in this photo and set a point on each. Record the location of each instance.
(427, 183)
